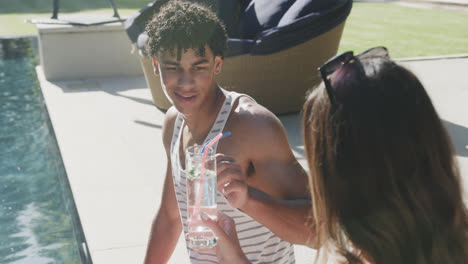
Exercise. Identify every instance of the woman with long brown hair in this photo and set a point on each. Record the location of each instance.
(383, 175)
(383, 178)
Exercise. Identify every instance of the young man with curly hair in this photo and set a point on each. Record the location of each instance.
(187, 43)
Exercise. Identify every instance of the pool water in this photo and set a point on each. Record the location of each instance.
(38, 219)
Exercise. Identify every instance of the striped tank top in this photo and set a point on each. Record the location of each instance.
(258, 243)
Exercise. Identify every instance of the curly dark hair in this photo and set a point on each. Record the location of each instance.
(185, 25)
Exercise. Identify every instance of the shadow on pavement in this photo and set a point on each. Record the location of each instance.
(459, 135)
(293, 126)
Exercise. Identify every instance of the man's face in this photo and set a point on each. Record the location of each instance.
(190, 81)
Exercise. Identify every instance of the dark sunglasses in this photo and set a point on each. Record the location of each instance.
(333, 64)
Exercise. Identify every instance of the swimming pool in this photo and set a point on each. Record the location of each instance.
(38, 218)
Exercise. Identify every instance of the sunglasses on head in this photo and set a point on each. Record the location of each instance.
(333, 64)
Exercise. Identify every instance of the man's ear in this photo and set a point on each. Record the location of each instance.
(218, 64)
(155, 66)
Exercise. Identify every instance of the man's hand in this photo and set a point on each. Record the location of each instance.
(231, 181)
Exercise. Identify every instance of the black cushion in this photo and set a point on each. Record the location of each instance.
(304, 28)
(301, 8)
(261, 15)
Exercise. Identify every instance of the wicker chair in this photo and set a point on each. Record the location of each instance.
(276, 65)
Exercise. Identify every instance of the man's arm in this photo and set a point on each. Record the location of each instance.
(290, 219)
(279, 198)
(274, 190)
(166, 227)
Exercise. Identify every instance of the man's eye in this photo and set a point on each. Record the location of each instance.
(170, 68)
(200, 68)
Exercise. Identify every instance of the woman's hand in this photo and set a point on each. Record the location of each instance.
(228, 248)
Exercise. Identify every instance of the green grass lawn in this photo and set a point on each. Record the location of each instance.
(405, 31)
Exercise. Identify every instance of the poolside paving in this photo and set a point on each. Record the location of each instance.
(109, 134)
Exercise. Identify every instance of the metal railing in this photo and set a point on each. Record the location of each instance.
(57, 7)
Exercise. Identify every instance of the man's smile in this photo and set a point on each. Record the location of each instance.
(185, 97)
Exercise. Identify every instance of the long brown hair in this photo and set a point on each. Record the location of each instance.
(383, 175)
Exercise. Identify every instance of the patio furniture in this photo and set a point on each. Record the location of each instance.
(97, 45)
(275, 47)
(56, 7)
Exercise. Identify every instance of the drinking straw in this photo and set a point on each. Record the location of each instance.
(224, 135)
(202, 170)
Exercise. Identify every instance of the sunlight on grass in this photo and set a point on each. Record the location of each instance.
(405, 31)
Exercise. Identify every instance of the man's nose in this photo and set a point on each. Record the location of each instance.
(186, 78)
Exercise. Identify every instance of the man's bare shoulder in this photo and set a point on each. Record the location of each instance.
(168, 126)
(254, 124)
(249, 115)
(262, 141)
